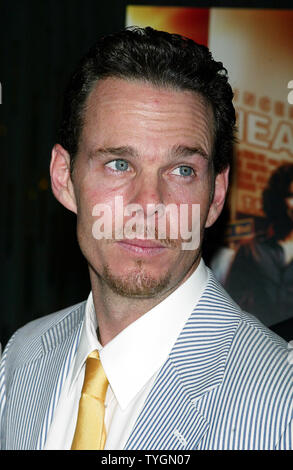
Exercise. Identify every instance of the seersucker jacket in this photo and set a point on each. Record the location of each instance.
(227, 383)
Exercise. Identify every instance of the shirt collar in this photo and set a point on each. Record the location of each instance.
(88, 338)
(132, 357)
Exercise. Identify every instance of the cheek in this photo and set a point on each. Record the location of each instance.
(91, 193)
(197, 194)
(193, 203)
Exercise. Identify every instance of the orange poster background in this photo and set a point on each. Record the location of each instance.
(190, 22)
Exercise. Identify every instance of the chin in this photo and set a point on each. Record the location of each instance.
(139, 282)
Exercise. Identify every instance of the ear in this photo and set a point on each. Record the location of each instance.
(61, 182)
(220, 191)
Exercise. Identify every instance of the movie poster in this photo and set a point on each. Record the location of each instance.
(254, 259)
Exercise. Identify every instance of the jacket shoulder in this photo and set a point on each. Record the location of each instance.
(255, 328)
(246, 324)
(259, 363)
(26, 342)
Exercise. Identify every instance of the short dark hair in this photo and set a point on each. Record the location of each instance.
(162, 59)
(273, 199)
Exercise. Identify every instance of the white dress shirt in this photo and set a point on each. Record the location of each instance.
(131, 361)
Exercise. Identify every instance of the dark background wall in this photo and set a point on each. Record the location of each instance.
(40, 42)
(42, 269)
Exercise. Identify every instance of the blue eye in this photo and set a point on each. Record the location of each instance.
(118, 165)
(183, 171)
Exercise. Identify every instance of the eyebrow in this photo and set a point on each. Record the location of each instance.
(176, 152)
(182, 151)
(115, 151)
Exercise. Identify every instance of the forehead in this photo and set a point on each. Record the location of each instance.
(136, 108)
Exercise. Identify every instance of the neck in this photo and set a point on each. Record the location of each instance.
(115, 312)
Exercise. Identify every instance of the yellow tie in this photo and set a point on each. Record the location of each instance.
(90, 432)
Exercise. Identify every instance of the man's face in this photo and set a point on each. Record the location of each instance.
(146, 145)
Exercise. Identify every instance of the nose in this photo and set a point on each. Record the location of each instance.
(148, 195)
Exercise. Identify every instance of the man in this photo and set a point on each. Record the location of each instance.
(148, 118)
(261, 275)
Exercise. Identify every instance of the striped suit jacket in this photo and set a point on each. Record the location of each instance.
(227, 383)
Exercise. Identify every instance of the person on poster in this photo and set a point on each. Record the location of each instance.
(159, 356)
(260, 279)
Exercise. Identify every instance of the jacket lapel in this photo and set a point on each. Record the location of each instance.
(170, 418)
(30, 413)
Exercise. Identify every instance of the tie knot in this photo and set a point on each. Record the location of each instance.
(94, 354)
(95, 380)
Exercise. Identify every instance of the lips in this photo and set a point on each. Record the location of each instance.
(142, 247)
